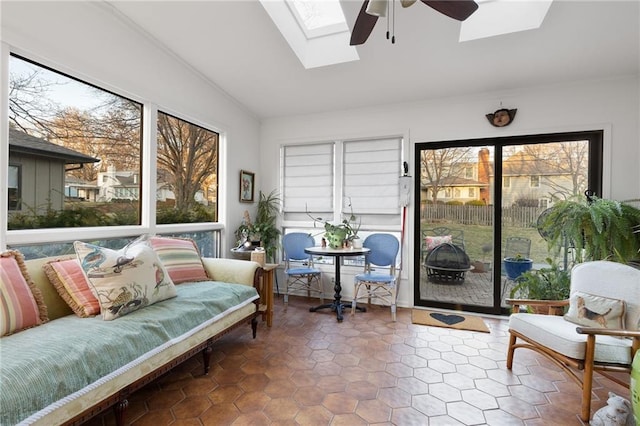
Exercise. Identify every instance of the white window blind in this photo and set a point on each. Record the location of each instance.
(331, 180)
(371, 171)
(308, 180)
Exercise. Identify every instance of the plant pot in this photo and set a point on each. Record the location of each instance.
(356, 243)
(515, 268)
(336, 238)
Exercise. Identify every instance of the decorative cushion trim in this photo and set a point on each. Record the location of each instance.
(69, 280)
(21, 301)
(181, 257)
(433, 242)
(595, 311)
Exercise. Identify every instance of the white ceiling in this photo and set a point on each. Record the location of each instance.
(236, 46)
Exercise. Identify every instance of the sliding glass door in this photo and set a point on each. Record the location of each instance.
(478, 201)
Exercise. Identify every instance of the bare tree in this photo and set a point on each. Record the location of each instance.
(564, 164)
(30, 108)
(440, 167)
(188, 155)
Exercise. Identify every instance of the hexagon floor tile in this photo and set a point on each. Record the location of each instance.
(308, 369)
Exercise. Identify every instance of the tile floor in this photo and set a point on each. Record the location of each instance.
(309, 369)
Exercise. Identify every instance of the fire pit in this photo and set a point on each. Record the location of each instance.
(447, 263)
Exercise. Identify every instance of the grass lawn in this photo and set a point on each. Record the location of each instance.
(477, 236)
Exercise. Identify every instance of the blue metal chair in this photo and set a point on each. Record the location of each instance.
(379, 278)
(301, 275)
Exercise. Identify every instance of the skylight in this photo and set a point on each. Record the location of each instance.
(316, 30)
(497, 17)
(318, 18)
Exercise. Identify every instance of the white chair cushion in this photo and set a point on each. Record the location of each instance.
(555, 333)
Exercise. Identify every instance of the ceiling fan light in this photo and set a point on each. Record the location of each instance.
(377, 8)
(407, 3)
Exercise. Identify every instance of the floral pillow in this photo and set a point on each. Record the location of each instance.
(124, 280)
(21, 301)
(595, 311)
(433, 242)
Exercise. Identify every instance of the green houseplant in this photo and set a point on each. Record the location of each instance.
(337, 234)
(598, 229)
(263, 229)
(548, 283)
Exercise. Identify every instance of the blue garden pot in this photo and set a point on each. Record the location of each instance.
(515, 268)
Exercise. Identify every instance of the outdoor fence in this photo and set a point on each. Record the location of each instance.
(480, 215)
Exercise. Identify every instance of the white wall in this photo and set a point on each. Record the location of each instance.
(611, 105)
(89, 41)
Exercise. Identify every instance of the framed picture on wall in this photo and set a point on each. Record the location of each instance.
(247, 181)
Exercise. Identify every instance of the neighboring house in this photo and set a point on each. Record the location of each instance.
(79, 189)
(37, 172)
(125, 185)
(526, 177)
(454, 189)
(118, 185)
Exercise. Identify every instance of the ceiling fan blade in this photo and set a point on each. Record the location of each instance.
(456, 9)
(363, 26)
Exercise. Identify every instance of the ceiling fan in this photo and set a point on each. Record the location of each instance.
(372, 9)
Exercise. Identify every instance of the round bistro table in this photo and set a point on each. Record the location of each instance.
(337, 304)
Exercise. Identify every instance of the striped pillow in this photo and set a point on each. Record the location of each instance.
(181, 258)
(21, 301)
(68, 278)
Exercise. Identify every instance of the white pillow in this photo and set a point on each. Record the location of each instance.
(433, 242)
(124, 280)
(595, 311)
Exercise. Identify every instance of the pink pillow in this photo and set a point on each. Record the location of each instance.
(22, 303)
(181, 258)
(68, 278)
(433, 242)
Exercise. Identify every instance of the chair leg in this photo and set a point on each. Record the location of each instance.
(394, 296)
(587, 381)
(356, 287)
(511, 350)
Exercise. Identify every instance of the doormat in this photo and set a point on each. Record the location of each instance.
(450, 320)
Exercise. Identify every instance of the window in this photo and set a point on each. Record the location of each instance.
(330, 180)
(468, 172)
(534, 182)
(456, 193)
(187, 183)
(506, 181)
(14, 187)
(63, 130)
(471, 193)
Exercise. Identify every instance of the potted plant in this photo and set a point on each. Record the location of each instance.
(516, 266)
(263, 231)
(548, 283)
(337, 234)
(597, 228)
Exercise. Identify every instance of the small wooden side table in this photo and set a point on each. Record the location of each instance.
(266, 293)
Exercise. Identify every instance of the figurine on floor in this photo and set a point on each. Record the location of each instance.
(617, 412)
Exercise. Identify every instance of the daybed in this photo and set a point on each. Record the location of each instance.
(69, 369)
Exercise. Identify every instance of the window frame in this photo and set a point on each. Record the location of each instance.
(148, 225)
